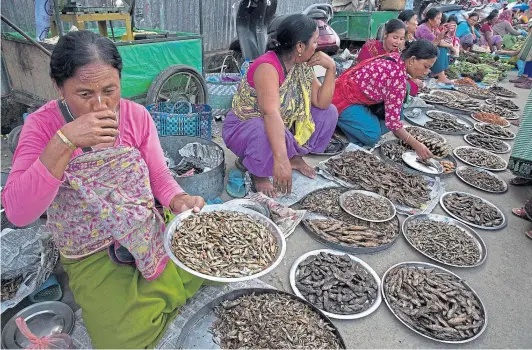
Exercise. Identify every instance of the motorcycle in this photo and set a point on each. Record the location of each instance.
(256, 23)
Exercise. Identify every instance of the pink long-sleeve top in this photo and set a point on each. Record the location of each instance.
(31, 188)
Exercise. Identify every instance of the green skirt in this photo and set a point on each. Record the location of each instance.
(120, 308)
(520, 162)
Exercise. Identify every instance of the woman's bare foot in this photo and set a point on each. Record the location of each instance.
(300, 165)
(264, 185)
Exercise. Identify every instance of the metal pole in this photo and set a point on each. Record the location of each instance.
(202, 37)
(58, 22)
(21, 32)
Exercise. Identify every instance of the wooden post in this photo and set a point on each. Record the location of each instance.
(102, 27)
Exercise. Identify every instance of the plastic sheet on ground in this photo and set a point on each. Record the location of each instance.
(169, 341)
(437, 187)
(29, 252)
(205, 156)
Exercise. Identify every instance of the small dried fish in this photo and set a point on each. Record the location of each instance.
(336, 284)
(475, 91)
(490, 118)
(371, 174)
(367, 207)
(504, 103)
(271, 321)
(10, 288)
(444, 242)
(434, 303)
(448, 166)
(468, 105)
(394, 151)
(501, 111)
(482, 179)
(500, 91)
(487, 142)
(436, 99)
(473, 210)
(446, 122)
(224, 244)
(481, 158)
(434, 142)
(495, 131)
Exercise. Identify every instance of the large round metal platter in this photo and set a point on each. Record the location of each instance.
(507, 149)
(464, 228)
(501, 111)
(473, 92)
(478, 127)
(344, 196)
(442, 204)
(444, 94)
(507, 123)
(441, 270)
(197, 332)
(476, 165)
(294, 272)
(433, 99)
(500, 91)
(493, 101)
(421, 116)
(428, 132)
(43, 319)
(275, 231)
(461, 177)
(335, 146)
(411, 159)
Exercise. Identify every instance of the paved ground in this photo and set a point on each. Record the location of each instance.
(504, 281)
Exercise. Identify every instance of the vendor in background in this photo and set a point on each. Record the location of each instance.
(504, 28)
(409, 18)
(450, 36)
(525, 54)
(370, 96)
(93, 161)
(467, 33)
(281, 112)
(489, 38)
(429, 30)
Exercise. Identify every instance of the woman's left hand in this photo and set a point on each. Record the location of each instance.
(183, 202)
(321, 59)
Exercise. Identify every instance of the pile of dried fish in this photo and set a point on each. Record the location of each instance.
(445, 94)
(458, 96)
(432, 98)
(501, 111)
(444, 242)
(473, 210)
(341, 232)
(394, 151)
(372, 174)
(475, 91)
(464, 105)
(224, 244)
(495, 131)
(481, 158)
(499, 90)
(436, 304)
(490, 118)
(442, 121)
(271, 321)
(487, 142)
(336, 284)
(10, 288)
(482, 179)
(367, 207)
(434, 142)
(504, 103)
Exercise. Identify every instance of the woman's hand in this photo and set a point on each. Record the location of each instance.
(418, 82)
(321, 59)
(422, 151)
(282, 175)
(183, 202)
(92, 129)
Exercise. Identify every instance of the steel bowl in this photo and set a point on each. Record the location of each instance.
(273, 228)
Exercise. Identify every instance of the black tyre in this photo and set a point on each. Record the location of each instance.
(178, 83)
(12, 138)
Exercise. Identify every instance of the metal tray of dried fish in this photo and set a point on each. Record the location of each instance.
(369, 301)
(486, 180)
(498, 164)
(475, 92)
(433, 99)
(494, 131)
(505, 103)
(335, 146)
(391, 151)
(500, 91)
(497, 120)
(438, 121)
(197, 333)
(501, 111)
(489, 209)
(442, 274)
(488, 143)
(202, 257)
(367, 199)
(457, 244)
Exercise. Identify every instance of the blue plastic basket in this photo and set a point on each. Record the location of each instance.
(182, 119)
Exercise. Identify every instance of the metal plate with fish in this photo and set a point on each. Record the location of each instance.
(43, 319)
(494, 131)
(489, 143)
(367, 206)
(480, 158)
(197, 333)
(429, 166)
(445, 240)
(482, 179)
(209, 259)
(438, 121)
(370, 301)
(483, 210)
(464, 330)
(505, 103)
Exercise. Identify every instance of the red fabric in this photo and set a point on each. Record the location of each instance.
(486, 28)
(269, 57)
(370, 49)
(414, 90)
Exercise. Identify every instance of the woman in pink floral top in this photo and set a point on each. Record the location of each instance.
(370, 96)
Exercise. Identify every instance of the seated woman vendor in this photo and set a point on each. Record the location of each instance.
(468, 33)
(93, 161)
(281, 112)
(370, 95)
